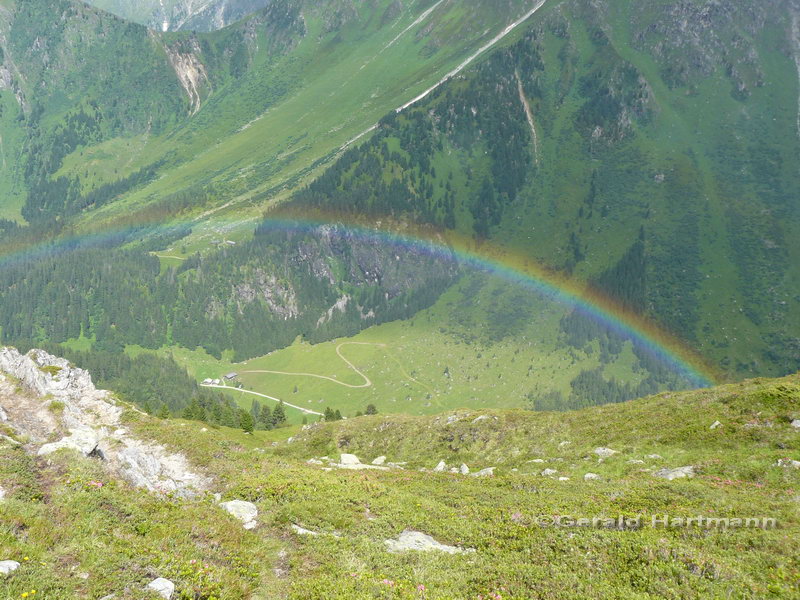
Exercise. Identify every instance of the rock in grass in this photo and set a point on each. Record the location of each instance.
(464, 470)
(488, 472)
(715, 425)
(349, 459)
(82, 439)
(441, 467)
(654, 456)
(591, 477)
(788, 463)
(549, 472)
(7, 567)
(796, 424)
(670, 474)
(414, 541)
(163, 587)
(379, 461)
(303, 531)
(603, 452)
(2, 493)
(246, 512)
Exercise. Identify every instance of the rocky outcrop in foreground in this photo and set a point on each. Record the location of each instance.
(51, 406)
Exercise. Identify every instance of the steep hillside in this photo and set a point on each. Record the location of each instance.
(321, 524)
(601, 142)
(608, 143)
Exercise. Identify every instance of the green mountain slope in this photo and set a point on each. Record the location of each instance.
(78, 532)
(600, 142)
(605, 145)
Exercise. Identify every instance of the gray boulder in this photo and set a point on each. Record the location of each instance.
(7, 567)
(380, 461)
(678, 473)
(487, 472)
(715, 425)
(441, 467)
(464, 470)
(246, 512)
(548, 472)
(83, 440)
(591, 477)
(163, 587)
(603, 452)
(349, 459)
(414, 541)
(796, 424)
(788, 463)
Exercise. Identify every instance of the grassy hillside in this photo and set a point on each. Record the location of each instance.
(110, 539)
(482, 345)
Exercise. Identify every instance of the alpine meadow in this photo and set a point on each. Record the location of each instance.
(414, 299)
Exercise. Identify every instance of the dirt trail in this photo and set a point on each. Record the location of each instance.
(367, 382)
(232, 389)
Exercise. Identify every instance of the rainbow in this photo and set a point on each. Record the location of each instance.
(485, 257)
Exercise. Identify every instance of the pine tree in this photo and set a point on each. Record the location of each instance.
(279, 415)
(245, 421)
(265, 417)
(163, 412)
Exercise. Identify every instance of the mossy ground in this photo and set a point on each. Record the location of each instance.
(69, 527)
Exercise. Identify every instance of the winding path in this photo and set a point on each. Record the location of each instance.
(367, 381)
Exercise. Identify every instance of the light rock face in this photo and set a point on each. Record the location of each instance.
(7, 567)
(679, 473)
(414, 541)
(88, 420)
(246, 512)
(163, 587)
(605, 452)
